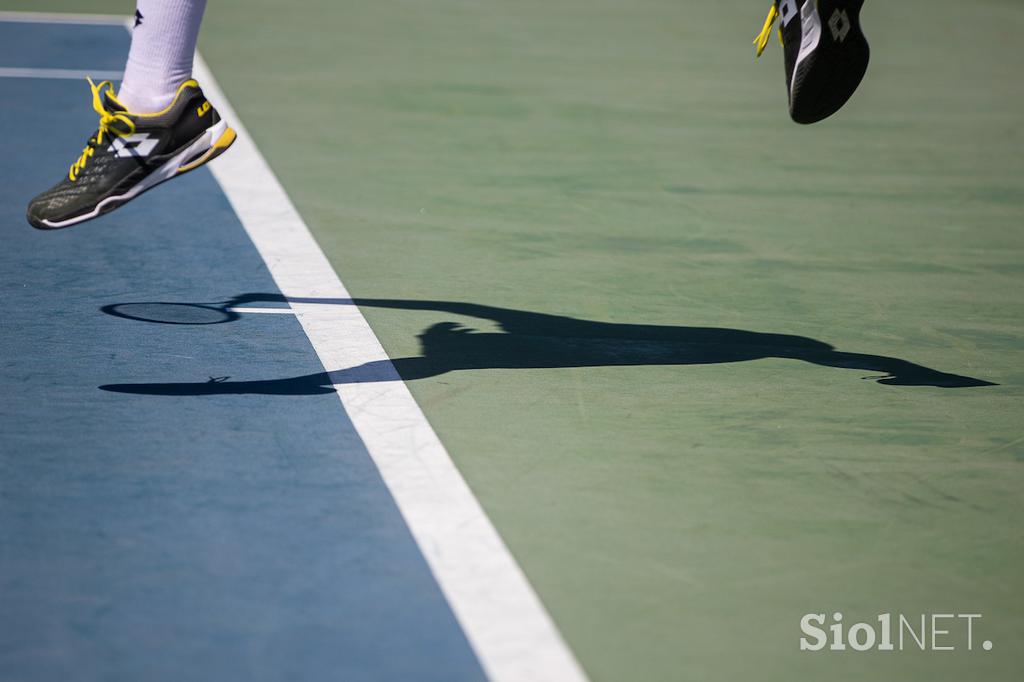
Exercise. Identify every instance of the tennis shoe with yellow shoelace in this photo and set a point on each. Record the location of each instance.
(825, 53)
(130, 153)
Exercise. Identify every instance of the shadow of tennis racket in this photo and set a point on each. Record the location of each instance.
(167, 312)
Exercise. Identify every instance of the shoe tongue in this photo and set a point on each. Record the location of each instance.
(111, 104)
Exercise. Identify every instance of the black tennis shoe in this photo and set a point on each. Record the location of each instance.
(130, 153)
(826, 53)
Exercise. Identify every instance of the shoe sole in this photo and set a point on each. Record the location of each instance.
(211, 144)
(832, 61)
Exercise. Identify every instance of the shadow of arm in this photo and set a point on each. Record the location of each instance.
(898, 372)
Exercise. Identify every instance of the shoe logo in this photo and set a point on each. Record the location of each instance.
(138, 145)
(787, 10)
(203, 108)
(839, 23)
(138, 19)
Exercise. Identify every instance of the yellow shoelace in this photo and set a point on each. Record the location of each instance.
(109, 125)
(766, 32)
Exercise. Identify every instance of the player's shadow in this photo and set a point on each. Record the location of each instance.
(526, 340)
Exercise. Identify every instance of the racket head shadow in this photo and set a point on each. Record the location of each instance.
(159, 312)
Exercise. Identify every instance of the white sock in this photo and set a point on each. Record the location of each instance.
(160, 59)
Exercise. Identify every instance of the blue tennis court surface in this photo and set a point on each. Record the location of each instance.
(62, 46)
(177, 537)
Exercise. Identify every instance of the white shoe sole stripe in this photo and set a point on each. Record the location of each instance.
(810, 36)
(165, 172)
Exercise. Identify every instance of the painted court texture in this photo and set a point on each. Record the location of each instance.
(647, 316)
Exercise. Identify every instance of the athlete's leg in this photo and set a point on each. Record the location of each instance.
(159, 126)
(160, 59)
(826, 54)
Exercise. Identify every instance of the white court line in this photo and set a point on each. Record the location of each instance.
(11, 72)
(55, 18)
(502, 617)
(263, 311)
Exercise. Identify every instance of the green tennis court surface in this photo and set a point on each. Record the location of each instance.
(679, 488)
